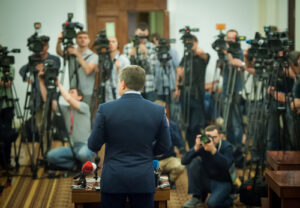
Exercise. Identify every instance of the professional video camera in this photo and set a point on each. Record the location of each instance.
(163, 50)
(6, 61)
(136, 60)
(219, 45)
(102, 46)
(235, 47)
(187, 37)
(35, 42)
(69, 32)
(50, 74)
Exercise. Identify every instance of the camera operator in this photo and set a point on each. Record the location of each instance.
(165, 78)
(169, 163)
(120, 62)
(77, 121)
(234, 130)
(85, 66)
(196, 107)
(7, 134)
(145, 56)
(209, 163)
(280, 94)
(26, 75)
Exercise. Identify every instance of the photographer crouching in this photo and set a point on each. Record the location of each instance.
(77, 122)
(209, 162)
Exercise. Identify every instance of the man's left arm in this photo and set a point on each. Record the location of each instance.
(96, 139)
(163, 139)
(224, 159)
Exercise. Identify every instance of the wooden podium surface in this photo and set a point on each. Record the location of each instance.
(284, 160)
(283, 188)
(82, 197)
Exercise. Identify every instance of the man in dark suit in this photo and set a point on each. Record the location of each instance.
(133, 130)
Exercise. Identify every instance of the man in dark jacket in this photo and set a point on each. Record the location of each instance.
(208, 171)
(133, 130)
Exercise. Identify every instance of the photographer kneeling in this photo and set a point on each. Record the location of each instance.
(208, 163)
(77, 121)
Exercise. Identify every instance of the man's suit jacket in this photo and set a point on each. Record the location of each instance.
(133, 130)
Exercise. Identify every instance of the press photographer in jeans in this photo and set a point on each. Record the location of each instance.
(77, 121)
(208, 170)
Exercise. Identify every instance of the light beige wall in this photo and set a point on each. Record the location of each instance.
(273, 12)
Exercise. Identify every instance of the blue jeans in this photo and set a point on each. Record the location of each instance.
(200, 184)
(62, 157)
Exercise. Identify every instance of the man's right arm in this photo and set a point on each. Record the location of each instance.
(59, 50)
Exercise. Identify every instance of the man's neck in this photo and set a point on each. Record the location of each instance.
(81, 50)
(114, 53)
(45, 56)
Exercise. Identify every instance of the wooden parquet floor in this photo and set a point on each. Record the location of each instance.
(45, 192)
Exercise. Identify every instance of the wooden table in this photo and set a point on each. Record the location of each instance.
(283, 188)
(284, 160)
(82, 197)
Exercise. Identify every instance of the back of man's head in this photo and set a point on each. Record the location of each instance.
(134, 77)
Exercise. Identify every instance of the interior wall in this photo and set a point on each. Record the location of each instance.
(247, 16)
(16, 23)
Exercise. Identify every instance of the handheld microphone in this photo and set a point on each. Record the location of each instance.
(88, 167)
(155, 165)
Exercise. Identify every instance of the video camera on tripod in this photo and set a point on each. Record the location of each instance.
(50, 74)
(163, 50)
(187, 38)
(219, 45)
(35, 43)
(6, 61)
(102, 47)
(69, 31)
(235, 47)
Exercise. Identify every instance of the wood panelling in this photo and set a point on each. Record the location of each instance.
(101, 11)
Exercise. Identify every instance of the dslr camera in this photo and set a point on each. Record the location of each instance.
(69, 32)
(205, 138)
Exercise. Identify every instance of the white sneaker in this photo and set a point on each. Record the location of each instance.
(193, 203)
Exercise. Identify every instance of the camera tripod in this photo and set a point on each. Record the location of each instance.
(12, 129)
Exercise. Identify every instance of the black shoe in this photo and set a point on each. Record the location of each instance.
(172, 185)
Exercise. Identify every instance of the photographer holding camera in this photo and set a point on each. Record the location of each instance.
(30, 71)
(82, 72)
(119, 63)
(209, 163)
(78, 124)
(142, 52)
(197, 89)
